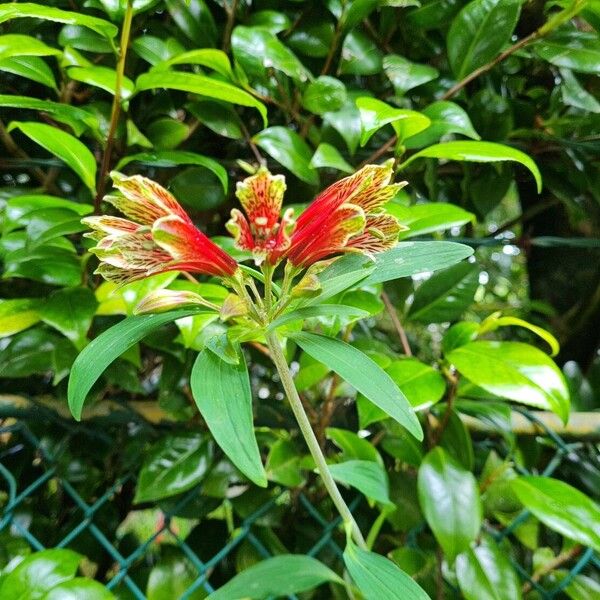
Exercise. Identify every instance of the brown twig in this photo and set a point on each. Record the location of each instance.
(391, 310)
(439, 432)
(379, 152)
(116, 106)
(552, 565)
(229, 25)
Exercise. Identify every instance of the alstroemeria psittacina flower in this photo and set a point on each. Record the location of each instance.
(347, 216)
(262, 233)
(157, 237)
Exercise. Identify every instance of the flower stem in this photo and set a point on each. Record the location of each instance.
(309, 435)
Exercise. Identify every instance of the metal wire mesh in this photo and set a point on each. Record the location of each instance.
(17, 436)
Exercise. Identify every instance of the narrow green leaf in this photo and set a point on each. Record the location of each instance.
(30, 67)
(378, 577)
(107, 347)
(201, 85)
(77, 118)
(366, 476)
(406, 75)
(211, 58)
(571, 49)
(174, 465)
(49, 13)
(427, 218)
(65, 146)
(18, 314)
(328, 156)
(477, 152)
(411, 258)
(103, 78)
(449, 499)
(363, 374)
(515, 371)
(281, 575)
(24, 45)
(561, 507)
(223, 396)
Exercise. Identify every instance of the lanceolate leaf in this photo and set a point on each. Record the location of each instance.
(411, 258)
(65, 146)
(515, 371)
(201, 85)
(320, 310)
(107, 347)
(561, 507)
(222, 392)
(363, 374)
(48, 13)
(477, 152)
(378, 577)
(450, 501)
(281, 575)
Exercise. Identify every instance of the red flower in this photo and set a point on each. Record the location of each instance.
(262, 233)
(347, 216)
(159, 237)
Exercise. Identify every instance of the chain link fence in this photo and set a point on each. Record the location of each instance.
(16, 492)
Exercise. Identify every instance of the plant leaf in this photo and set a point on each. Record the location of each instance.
(366, 476)
(222, 393)
(363, 374)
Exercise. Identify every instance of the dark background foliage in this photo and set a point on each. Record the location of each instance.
(523, 74)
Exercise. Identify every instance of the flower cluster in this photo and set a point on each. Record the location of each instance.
(159, 236)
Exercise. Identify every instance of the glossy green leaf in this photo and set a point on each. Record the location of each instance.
(360, 56)
(446, 117)
(479, 32)
(353, 446)
(561, 507)
(201, 85)
(49, 13)
(24, 45)
(79, 588)
(449, 499)
(256, 49)
(375, 114)
(218, 117)
(18, 314)
(571, 49)
(194, 19)
(271, 20)
(285, 574)
(63, 145)
(30, 67)
(289, 149)
(420, 383)
(283, 464)
(366, 476)
(328, 156)
(103, 78)
(173, 465)
(211, 58)
(320, 310)
(495, 321)
(223, 396)
(515, 371)
(312, 39)
(477, 152)
(107, 347)
(485, 573)
(38, 573)
(81, 38)
(445, 295)
(346, 122)
(427, 218)
(171, 577)
(411, 258)
(71, 311)
(324, 94)
(19, 209)
(156, 50)
(77, 118)
(174, 158)
(363, 374)
(406, 75)
(378, 577)
(574, 94)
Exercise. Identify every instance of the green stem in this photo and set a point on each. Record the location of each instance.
(309, 435)
(116, 106)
